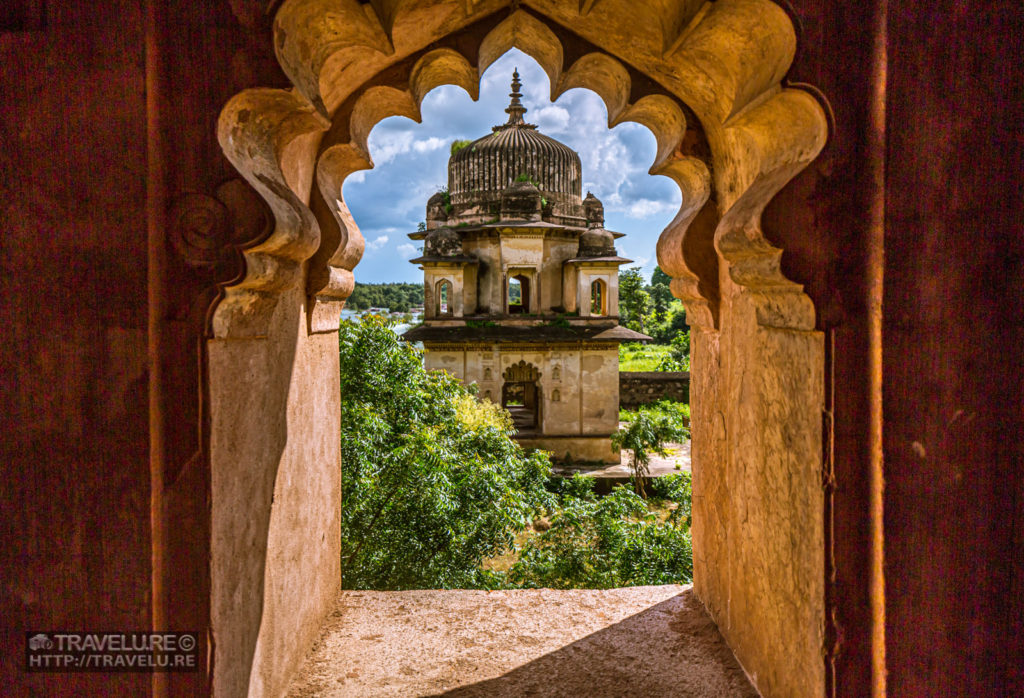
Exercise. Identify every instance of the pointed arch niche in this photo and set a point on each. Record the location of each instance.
(707, 79)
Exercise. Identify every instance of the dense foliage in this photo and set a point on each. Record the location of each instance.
(397, 297)
(612, 541)
(433, 486)
(634, 301)
(677, 412)
(432, 483)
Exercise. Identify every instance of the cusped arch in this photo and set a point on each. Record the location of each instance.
(706, 79)
(725, 63)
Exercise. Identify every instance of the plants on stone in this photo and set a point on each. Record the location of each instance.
(458, 145)
(432, 483)
(612, 541)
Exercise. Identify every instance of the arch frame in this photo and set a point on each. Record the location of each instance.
(707, 80)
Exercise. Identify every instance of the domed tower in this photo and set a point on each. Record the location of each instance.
(521, 288)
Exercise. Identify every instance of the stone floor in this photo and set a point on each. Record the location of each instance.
(639, 641)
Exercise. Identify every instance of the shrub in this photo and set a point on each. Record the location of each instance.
(602, 543)
(648, 431)
(431, 481)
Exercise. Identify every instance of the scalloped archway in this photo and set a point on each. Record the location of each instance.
(706, 78)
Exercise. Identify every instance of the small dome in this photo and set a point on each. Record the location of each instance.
(596, 242)
(442, 242)
(594, 211)
(521, 201)
(437, 209)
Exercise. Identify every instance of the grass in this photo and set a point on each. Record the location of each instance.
(641, 357)
(677, 411)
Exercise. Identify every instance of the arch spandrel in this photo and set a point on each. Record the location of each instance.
(726, 64)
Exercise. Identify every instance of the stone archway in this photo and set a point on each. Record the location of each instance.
(706, 78)
(520, 395)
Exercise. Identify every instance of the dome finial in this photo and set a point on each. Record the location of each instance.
(515, 109)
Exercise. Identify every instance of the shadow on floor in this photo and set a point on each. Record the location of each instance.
(671, 649)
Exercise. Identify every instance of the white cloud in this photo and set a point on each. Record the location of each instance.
(432, 143)
(552, 118)
(406, 250)
(645, 208)
(389, 145)
(378, 243)
(356, 177)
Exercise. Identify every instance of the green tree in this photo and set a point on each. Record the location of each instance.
(678, 358)
(660, 293)
(634, 301)
(647, 433)
(398, 297)
(432, 483)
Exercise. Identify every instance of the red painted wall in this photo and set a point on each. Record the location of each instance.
(952, 357)
(954, 321)
(75, 486)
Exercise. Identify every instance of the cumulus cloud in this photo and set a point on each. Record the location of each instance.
(389, 145)
(552, 119)
(645, 208)
(377, 243)
(411, 163)
(432, 143)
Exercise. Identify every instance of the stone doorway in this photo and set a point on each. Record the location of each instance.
(520, 395)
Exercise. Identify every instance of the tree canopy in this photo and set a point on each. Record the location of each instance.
(397, 297)
(432, 483)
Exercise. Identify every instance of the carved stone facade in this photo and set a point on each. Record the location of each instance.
(521, 289)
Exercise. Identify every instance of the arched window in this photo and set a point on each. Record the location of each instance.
(444, 297)
(597, 298)
(519, 294)
(556, 395)
(487, 374)
(556, 374)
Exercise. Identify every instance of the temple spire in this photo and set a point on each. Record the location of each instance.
(515, 109)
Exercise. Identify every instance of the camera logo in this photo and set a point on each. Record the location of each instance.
(40, 642)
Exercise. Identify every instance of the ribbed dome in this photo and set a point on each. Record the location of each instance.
(515, 150)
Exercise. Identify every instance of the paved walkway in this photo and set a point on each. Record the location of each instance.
(679, 456)
(639, 641)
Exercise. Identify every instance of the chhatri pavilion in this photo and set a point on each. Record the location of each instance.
(521, 289)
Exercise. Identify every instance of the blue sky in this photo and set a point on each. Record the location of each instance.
(411, 163)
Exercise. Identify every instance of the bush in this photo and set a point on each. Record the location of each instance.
(678, 357)
(675, 488)
(602, 543)
(648, 432)
(432, 483)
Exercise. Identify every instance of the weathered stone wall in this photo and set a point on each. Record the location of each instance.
(276, 490)
(758, 503)
(644, 387)
(578, 392)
